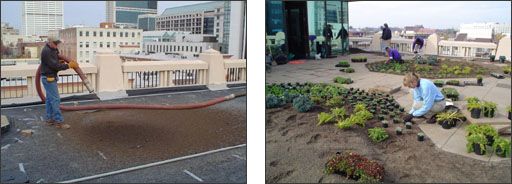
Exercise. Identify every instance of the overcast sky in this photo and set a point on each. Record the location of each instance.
(431, 14)
(89, 13)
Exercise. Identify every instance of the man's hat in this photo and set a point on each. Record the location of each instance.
(54, 39)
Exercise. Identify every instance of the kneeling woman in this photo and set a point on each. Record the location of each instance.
(428, 99)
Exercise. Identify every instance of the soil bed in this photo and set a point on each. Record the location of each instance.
(297, 149)
(434, 71)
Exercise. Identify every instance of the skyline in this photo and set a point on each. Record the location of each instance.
(432, 14)
(75, 11)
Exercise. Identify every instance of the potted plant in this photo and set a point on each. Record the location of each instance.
(492, 57)
(408, 125)
(450, 93)
(381, 117)
(507, 69)
(489, 132)
(448, 119)
(377, 134)
(489, 109)
(421, 136)
(349, 70)
(502, 147)
(476, 143)
(502, 59)
(398, 131)
(385, 124)
(479, 79)
(475, 109)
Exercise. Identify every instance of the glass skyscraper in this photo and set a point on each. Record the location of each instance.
(303, 23)
(126, 13)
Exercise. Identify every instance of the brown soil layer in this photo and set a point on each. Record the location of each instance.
(297, 149)
(433, 73)
(149, 135)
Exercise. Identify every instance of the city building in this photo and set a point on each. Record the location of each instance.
(146, 22)
(8, 30)
(202, 18)
(483, 30)
(125, 14)
(30, 49)
(82, 43)
(234, 38)
(303, 23)
(181, 44)
(39, 17)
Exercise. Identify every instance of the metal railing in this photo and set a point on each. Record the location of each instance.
(235, 70)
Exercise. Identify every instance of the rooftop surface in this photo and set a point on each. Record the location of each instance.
(109, 140)
(453, 140)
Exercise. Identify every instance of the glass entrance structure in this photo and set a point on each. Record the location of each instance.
(297, 28)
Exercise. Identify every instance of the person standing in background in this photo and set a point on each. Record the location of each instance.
(385, 38)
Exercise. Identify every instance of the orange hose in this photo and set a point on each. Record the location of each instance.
(132, 106)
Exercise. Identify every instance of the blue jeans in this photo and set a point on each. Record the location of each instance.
(52, 100)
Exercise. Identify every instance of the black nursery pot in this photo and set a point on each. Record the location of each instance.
(398, 132)
(421, 137)
(385, 125)
(475, 113)
(446, 125)
(408, 126)
(490, 140)
(510, 115)
(479, 81)
(477, 149)
(500, 152)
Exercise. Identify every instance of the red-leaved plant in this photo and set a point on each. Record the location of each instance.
(355, 166)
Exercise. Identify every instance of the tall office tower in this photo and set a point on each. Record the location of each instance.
(125, 13)
(39, 17)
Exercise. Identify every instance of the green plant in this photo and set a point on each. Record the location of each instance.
(334, 101)
(377, 134)
(276, 90)
(273, 101)
(453, 82)
(359, 107)
(339, 113)
(450, 93)
(343, 63)
(325, 118)
(349, 70)
(479, 77)
(466, 70)
(475, 105)
(289, 95)
(507, 69)
(439, 83)
(488, 108)
(449, 116)
(343, 80)
(488, 131)
(472, 100)
(476, 139)
(302, 103)
(501, 145)
(509, 108)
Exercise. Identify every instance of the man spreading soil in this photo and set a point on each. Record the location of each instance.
(428, 100)
(50, 66)
(417, 45)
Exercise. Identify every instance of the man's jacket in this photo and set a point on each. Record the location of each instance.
(50, 64)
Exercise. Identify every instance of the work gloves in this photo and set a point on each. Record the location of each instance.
(73, 64)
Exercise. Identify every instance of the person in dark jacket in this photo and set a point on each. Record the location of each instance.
(417, 45)
(385, 38)
(344, 36)
(328, 37)
(51, 63)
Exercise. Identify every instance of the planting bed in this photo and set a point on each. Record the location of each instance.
(297, 148)
(442, 69)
